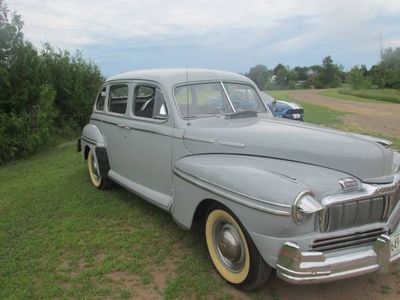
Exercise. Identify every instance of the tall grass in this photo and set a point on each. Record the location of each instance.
(387, 95)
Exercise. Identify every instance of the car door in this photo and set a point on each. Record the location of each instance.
(110, 121)
(145, 146)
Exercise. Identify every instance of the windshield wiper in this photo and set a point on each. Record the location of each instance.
(241, 114)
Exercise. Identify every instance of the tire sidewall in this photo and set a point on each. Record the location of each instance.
(95, 182)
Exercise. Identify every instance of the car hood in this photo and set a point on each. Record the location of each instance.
(364, 157)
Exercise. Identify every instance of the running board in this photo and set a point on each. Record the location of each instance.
(159, 199)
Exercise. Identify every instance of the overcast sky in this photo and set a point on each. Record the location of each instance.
(121, 35)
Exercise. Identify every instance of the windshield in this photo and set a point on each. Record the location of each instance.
(244, 97)
(205, 99)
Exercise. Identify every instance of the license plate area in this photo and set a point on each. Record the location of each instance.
(395, 244)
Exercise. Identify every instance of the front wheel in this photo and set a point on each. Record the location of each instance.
(94, 173)
(233, 253)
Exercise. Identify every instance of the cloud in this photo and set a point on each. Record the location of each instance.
(80, 23)
(274, 27)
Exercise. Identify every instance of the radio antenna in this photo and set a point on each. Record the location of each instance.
(187, 96)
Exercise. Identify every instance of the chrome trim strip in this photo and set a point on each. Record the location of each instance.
(89, 140)
(131, 117)
(225, 193)
(199, 139)
(159, 132)
(231, 144)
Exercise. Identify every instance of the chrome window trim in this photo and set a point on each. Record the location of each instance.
(131, 113)
(227, 96)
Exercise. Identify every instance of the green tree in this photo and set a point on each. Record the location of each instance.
(260, 75)
(329, 74)
(40, 92)
(357, 79)
(386, 74)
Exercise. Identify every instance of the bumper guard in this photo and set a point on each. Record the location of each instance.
(299, 267)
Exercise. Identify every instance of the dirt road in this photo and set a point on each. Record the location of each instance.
(372, 117)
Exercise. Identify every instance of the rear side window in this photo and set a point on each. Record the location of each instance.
(149, 102)
(118, 98)
(101, 98)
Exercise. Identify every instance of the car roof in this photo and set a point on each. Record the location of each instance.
(171, 77)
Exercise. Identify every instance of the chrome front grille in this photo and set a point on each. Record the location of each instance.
(355, 213)
(394, 218)
(347, 240)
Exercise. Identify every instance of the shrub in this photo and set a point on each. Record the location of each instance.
(40, 92)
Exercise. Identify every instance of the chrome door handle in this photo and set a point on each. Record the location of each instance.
(123, 126)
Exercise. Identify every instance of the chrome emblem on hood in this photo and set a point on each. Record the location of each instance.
(348, 184)
(232, 144)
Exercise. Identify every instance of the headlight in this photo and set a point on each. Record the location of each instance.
(304, 206)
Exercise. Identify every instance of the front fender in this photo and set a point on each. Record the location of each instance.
(259, 191)
(257, 183)
(244, 176)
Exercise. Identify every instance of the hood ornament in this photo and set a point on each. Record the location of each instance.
(348, 184)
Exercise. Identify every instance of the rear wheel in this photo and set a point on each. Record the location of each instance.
(94, 173)
(233, 252)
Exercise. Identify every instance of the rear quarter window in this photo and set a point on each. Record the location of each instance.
(101, 98)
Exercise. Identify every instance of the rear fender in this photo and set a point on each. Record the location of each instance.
(93, 140)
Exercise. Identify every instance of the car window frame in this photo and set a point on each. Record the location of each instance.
(221, 82)
(110, 84)
(104, 86)
(131, 113)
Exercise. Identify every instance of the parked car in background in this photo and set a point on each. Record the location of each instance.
(316, 204)
(283, 109)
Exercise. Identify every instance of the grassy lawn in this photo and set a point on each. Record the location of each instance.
(364, 95)
(62, 238)
(334, 93)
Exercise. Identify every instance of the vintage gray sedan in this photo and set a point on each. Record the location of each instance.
(313, 203)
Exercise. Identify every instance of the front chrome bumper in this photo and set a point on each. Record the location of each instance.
(299, 267)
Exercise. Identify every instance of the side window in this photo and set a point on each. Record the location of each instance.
(149, 102)
(101, 98)
(118, 98)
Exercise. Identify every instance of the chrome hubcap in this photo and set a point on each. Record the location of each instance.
(229, 246)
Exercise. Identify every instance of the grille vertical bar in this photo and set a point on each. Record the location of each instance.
(360, 212)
